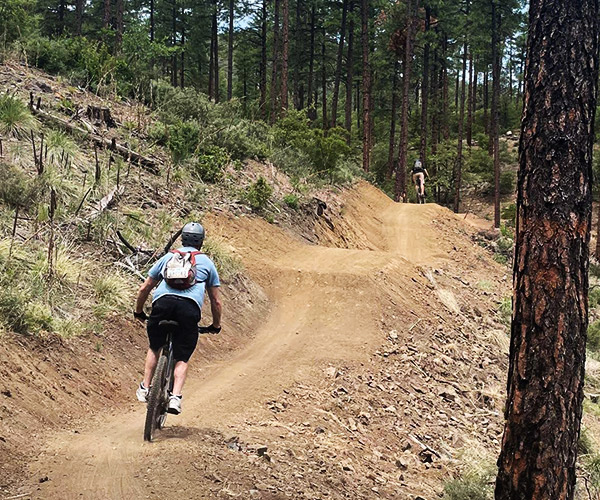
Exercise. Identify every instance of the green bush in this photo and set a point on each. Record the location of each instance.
(259, 193)
(15, 186)
(15, 117)
(594, 296)
(292, 201)
(470, 486)
(210, 164)
(505, 310)
(507, 183)
(509, 214)
(593, 336)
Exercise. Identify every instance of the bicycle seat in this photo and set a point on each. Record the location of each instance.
(165, 323)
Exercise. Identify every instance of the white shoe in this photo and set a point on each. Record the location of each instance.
(142, 393)
(174, 405)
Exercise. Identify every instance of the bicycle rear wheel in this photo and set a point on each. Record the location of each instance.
(156, 400)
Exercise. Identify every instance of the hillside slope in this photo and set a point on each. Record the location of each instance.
(380, 362)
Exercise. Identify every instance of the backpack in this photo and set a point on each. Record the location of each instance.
(180, 270)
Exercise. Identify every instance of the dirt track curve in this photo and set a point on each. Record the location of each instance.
(324, 307)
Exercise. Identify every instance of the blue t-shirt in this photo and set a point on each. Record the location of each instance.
(206, 276)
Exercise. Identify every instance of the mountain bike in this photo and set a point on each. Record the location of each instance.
(162, 382)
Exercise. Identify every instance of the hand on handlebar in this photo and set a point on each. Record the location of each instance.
(209, 329)
(141, 316)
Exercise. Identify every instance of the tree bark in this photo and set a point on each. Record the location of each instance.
(285, 56)
(486, 100)
(495, 99)
(274, 67)
(263, 61)
(392, 146)
(445, 93)
(215, 36)
(457, 174)
(366, 81)
(349, 75)
(338, 66)
(548, 333)
(174, 43)
(182, 43)
(312, 113)
(425, 91)
(119, 26)
(324, 80)
(400, 187)
(470, 110)
(107, 15)
(79, 6)
(230, 51)
(297, 88)
(151, 19)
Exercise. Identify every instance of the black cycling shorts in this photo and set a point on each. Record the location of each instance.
(183, 310)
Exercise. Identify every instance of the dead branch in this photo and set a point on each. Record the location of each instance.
(145, 162)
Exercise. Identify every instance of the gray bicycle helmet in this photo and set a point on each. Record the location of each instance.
(192, 235)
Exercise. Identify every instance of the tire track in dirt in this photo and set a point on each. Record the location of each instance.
(325, 307)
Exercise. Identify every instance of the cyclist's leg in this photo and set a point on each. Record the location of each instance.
(185, 341)
(422, 183)
(156, 337)
(415, 179)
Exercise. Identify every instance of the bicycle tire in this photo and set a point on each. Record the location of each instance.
(156, 399)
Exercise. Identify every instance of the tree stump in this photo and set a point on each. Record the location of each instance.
(99, 115)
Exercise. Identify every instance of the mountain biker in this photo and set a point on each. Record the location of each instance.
(183, 306)
(418, 174)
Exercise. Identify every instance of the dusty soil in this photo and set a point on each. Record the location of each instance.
(378, 361)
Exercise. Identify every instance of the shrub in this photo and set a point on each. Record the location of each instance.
(509, 214)
(15, 118)
(594, 296)
(210, 164)
(505, 310)
(15, 186)
(259, 193)
(291, 200)
(593, 336)
(472, 485)
(507, 181)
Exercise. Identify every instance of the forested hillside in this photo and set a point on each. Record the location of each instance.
(436, 80)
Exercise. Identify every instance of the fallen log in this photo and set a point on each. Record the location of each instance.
(145, 162)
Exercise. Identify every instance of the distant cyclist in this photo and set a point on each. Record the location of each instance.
(418, 174)
(181, 304)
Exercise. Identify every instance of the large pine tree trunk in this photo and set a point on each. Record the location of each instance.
(215, 35)
(400, 187)
(324, 79)
(230, 52)
(349, 76)
(457, 174)
(470, 110)
(445, 93)
(297, 88)
(312, 113)
(548, 333)
(263, 60)
(392, 145)
(338, 66)
(79, 6)
(119, 26)
(285, 56)
(366, 81)
(275, 64)
(495, 100)
(106, 15)
(425, 91)
(151, 19)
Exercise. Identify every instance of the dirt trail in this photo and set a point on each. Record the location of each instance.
(325, 308)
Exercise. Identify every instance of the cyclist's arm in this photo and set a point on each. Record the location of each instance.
(427, 173)
(215, 305)
(143, 293)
